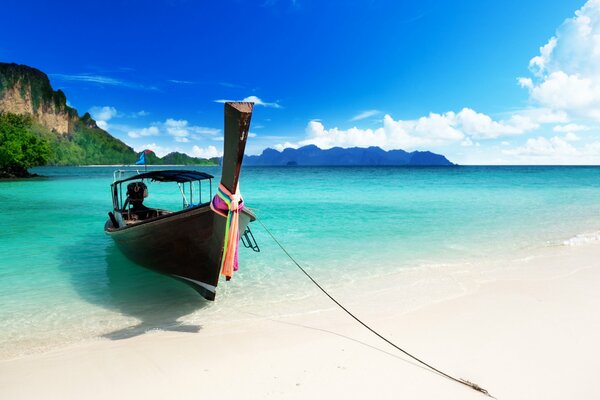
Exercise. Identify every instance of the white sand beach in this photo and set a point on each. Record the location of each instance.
(525, 329)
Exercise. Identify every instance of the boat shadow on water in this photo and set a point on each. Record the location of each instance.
(102, 276)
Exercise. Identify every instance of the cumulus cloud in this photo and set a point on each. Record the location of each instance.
(433, 130)
(571, 137)
(538, 63)
(105, 113)
(542, 115)
(555, 150)
(102, 115)
(570, 128)
(179, 129)
(566, 73)
(150, 131)
(253, 99)
(467, 142)
(160, 151)
(206, 152)
(182, 131)
(541, 146)
(481, 126)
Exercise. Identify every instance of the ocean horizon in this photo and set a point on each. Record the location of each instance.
(63, 281)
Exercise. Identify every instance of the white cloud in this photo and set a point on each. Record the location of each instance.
(541, 146)
(570, 128)
(176, 128)
(561, 91)
(101, 80)
(181, 82)
(433, 130)
(253, 99)
(467, 142)
(525, 82)
(150, 131)
(365, 114)
(179, 129)
(538, 64)
(205, 152)
(555, 150)
(481, 126)
(159, 150)
(283, 146)
(182, 131)
(566, 73)
(543, 115)
(571, 137)
(103, 113)
(257, 101)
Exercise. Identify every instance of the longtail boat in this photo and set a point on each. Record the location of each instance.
(199, 242)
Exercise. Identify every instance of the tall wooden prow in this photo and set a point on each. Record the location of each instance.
(237, 124)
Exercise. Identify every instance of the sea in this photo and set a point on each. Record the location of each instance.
(63, 281)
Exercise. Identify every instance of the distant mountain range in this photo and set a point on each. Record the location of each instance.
(337, 156)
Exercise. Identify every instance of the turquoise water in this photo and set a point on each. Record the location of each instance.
(63, 281)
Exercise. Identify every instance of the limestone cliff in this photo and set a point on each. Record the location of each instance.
(27, 91)
(72, 140)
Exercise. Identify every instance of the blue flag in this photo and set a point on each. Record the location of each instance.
(142, 159)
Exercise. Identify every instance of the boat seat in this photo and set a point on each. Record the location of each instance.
(140, 214)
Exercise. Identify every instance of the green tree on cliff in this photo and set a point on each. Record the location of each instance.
(19, 148)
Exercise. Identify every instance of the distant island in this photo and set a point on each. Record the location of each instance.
(177, 158)
(312, 155)
(37, 127)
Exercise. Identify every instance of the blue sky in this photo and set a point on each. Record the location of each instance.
(468, 79)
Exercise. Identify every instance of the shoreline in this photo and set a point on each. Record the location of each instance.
(522, 329)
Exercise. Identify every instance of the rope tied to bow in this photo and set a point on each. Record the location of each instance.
(229, 205)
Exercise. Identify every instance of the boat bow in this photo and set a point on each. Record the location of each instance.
(228, 202)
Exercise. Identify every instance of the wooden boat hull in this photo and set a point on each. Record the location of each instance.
(186, 245)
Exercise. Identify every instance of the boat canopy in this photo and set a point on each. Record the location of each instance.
(171, 175)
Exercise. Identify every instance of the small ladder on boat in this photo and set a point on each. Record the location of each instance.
(249, 241)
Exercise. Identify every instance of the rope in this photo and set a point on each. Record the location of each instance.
(233, 204)
(465, 382)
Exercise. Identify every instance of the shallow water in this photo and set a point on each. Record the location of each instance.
(62, 280)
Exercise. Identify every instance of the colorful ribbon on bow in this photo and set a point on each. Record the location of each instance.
(228, 205)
